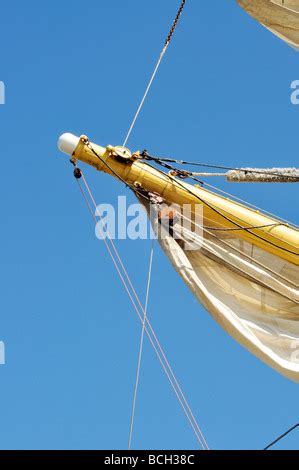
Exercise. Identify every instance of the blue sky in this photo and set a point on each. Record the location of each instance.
(222, 96)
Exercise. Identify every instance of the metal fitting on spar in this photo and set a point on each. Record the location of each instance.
(67, 143)
(79, 148)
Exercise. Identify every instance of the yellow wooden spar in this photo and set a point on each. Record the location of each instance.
(263, 231)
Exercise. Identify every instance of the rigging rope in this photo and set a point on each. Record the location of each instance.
(177, 182)
(150, 332)
(165, 47)
(168, 371)
(160, 161)
(268, 172)
(141, 345)
(139, 303)
(282, 436)
(222, 214)
(253, 206)
(142, 195)
(242, 253)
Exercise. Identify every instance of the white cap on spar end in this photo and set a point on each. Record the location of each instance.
(68, 143)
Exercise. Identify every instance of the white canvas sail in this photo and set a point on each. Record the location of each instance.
(281, 17)
(252, 294)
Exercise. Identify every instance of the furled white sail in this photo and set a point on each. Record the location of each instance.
(251, 293)
(281, 17)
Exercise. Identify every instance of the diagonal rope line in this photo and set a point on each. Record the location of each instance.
(172, 382)
(226, 215)
(142, 309)
(282, 436)
(167, 42)
(150, 333)
(144, 96)
(141, 346)
(159, 160)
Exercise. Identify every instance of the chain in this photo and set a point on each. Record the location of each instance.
(175, 23)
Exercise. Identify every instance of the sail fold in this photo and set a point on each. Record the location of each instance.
(281, 17)
(251, 293)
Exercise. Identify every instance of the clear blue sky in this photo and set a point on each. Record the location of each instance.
(222, 96)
